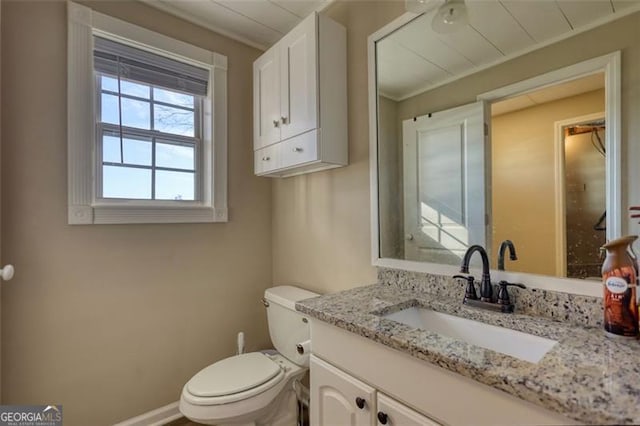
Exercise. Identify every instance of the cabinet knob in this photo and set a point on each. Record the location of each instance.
(266, 158)
(360, 402)
(276, 123)
(297, 149)
(284, 120)
(382, 417)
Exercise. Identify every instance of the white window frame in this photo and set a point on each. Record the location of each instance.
(83, 205)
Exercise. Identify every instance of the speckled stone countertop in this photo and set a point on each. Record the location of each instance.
(586, 376)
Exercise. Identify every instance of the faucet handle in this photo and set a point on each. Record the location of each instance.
(503, 293)
(470, 292)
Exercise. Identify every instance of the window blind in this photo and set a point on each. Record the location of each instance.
(111, 57)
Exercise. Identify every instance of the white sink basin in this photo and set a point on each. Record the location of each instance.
(524, 346)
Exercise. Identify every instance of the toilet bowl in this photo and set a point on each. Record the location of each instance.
(255, 388)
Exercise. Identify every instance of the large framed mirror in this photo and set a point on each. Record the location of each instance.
(508, 127)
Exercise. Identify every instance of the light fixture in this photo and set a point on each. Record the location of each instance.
(450, 17)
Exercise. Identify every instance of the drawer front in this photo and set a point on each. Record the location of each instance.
(397, 414)
(300, 149)
(267, 159)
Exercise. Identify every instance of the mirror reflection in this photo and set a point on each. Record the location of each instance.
(524, 150)
(529, 167)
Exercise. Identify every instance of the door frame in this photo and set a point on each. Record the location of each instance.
(610, 66)
(561, 189)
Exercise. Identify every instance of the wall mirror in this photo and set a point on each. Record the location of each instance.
(483, 133)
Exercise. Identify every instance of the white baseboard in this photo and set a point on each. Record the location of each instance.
(158, 417)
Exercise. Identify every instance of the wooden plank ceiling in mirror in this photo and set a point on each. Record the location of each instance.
(408, 67)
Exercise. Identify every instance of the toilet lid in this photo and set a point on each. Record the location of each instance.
(232, 375)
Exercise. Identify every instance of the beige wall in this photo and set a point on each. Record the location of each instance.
(112, 320)
(321, 222)
(523, 179)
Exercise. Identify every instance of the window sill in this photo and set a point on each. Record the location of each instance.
(111, 214)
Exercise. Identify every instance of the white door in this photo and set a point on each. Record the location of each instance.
(266, 99)
(393, 413)
(298, 79)
(334, 398)
(445, 184)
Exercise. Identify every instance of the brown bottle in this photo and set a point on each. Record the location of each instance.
(620, 293)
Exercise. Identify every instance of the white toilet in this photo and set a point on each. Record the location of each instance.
(255, 388)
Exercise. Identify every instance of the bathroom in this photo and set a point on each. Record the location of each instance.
(110, 321)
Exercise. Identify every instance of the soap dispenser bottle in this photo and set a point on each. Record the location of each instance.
(620, 289)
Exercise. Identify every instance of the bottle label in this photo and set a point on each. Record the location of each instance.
(620, 303)
(616, 285)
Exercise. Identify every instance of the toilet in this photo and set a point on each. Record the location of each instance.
(256, 388)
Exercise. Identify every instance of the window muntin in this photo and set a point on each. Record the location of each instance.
(152, 150)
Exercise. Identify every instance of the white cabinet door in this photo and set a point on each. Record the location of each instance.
(445, 184)
(334, 398)
(298, 79)
(266, 99)
(393, 413)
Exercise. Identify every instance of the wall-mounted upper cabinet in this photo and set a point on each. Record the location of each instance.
(300, 101)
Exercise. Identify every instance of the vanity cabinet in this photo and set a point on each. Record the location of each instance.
(300, 101)
(409, 391)
(340, 399)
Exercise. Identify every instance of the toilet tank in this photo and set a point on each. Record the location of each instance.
(287, 327)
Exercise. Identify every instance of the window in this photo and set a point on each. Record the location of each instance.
(147, 125)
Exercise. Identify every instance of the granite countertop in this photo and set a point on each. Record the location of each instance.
(586, 376)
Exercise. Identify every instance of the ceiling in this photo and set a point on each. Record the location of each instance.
(415, 58)
(258, 23)
(548, 94)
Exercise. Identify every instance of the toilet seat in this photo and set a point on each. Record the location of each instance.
(233, 379)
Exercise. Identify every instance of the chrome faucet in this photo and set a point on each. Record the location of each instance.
(512, 253)
(486, 290)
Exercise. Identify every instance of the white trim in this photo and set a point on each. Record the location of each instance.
(141, 38)
(561, 189)
(159, 416)
(609, 63)
(84, 207)
(391, 27)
